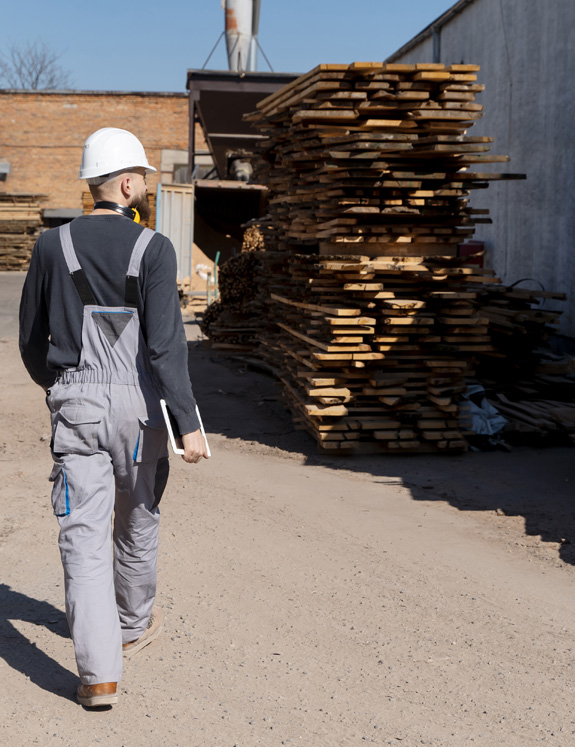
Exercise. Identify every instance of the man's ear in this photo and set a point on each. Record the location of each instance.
(126, 186)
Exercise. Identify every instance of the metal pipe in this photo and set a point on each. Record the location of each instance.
(239, 24)
(252, 63)
(192, 137)
(256, 17)
(253, 56)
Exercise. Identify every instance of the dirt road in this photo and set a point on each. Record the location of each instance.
(310, 601)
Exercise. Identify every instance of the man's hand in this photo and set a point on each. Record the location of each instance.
(194, 447)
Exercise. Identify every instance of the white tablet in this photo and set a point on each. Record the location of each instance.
(174, 433)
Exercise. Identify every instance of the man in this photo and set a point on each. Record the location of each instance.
(101, 331)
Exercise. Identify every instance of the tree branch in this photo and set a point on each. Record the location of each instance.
(33, 66)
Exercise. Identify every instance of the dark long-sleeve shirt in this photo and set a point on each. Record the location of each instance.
(51, 310)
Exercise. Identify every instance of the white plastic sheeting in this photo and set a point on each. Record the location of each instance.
(485, 419)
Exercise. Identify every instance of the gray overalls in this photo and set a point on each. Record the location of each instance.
(109, 446)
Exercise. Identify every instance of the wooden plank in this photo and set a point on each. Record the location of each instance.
(435, 77)
(332, 310)
(441, 114)
(305, 115)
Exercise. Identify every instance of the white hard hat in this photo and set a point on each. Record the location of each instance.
(111, 150)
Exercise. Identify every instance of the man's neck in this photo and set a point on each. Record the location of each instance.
(109, 207)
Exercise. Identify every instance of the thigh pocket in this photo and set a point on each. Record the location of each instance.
(76, 429)
(152, 441)
(60, 490)
(162, 474)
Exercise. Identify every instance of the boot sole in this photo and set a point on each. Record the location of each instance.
(92, 701)
(144, 641)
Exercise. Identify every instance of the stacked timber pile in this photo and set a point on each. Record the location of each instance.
(233, 322)
(531, 386)
(376, 351)
(88, 205)
(377, 321)
(20, 225)
(519, 327)
(530, 420)
(236, 322)
(373, 159)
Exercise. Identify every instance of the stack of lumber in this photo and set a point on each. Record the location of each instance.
(372, 159)
(376, 352)
(364, 308)
(88, 206)
(412, 349)
(519, 324)
(531, 386)
(345, 390)
(233, 322)
(535, 418)
(236, 280)
(378, 318)
(238, 321)
(20, 224)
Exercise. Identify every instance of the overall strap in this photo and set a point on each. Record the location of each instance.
(132, 284)
(76, 272)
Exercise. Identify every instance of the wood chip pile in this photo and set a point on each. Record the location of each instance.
(20, 225)
(254, 240)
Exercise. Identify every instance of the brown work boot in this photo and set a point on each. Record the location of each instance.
(155, 627)
(101, 694)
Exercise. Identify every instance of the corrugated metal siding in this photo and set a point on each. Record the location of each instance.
(525, 49)
(175, 219)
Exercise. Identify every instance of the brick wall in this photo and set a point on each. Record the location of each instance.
(42, 134)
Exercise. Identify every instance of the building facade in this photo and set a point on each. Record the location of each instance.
(42, 134)
(525, 49)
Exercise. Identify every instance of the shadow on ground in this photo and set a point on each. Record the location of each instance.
(24, 655)
(240, 402)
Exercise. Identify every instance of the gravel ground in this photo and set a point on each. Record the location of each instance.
(310, 601)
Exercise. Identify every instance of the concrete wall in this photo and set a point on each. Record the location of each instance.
(525, 49)
(42, 134)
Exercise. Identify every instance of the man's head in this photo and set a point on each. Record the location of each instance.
(126, 188)
(114, 164)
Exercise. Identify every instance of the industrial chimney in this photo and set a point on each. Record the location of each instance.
(242, 23)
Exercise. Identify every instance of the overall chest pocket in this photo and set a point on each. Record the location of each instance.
(76, 429)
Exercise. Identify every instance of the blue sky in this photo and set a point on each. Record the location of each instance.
(148, 45)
